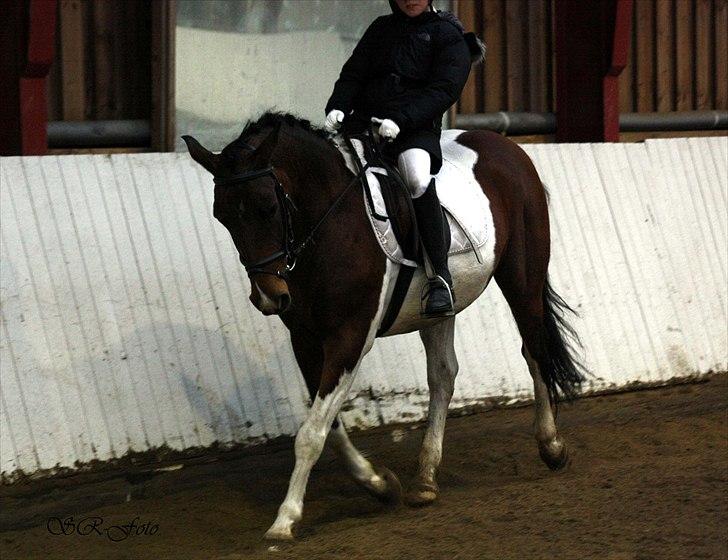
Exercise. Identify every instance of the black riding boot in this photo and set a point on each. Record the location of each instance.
(436, 240)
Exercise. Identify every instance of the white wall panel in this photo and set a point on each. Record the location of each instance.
(126, 324)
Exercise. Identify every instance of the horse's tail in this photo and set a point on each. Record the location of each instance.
(561, 369)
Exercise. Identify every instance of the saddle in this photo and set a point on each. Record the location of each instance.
(387, 198)
(390, 211)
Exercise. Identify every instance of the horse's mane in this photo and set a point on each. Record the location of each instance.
(270, 120)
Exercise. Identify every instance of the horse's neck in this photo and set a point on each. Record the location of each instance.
(318, 174)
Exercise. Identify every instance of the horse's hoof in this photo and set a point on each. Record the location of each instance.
(279, 534)
(554, 453)
(391, 493)
(421, 493)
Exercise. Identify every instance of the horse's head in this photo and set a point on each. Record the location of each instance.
(252, 204)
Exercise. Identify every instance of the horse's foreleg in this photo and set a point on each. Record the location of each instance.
(340, 358)
(380, 482)
(442, 367)
(309, 443)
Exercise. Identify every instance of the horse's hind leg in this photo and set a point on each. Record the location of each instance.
(442, 367)
(528, 313)
(551, 446)
(380, 482)
(521, 276)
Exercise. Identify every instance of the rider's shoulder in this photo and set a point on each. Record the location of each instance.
(380, 21)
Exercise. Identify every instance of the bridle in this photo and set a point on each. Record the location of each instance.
(290, 250)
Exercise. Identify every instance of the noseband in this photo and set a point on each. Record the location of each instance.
(290, 250)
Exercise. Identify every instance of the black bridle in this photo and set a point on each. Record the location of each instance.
(290, 249)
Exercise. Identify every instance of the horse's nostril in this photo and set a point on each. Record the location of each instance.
(283, 302)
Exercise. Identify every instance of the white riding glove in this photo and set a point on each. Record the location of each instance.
(333, 121)
(387, 128)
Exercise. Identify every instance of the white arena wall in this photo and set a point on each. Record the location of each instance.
(126, 325)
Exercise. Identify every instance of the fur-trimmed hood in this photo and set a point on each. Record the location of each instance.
(475, 45)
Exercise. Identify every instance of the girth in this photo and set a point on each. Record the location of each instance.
(394, 193)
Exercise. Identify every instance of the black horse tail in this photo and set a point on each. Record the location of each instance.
(560, 368)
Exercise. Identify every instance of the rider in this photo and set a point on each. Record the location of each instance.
(405, 72)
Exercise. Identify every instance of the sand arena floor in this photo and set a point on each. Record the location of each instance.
(647, 480)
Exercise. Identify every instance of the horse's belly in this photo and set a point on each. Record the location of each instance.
(469, 277)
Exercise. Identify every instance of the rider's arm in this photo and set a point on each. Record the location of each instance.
(450, 69)
(355, 72)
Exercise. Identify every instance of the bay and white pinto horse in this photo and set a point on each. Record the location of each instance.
(283, 184)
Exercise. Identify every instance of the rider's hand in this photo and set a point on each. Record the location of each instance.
(387, 128)
(333, 120)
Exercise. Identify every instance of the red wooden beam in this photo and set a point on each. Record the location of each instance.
(12, 41)
(620, 51)
(27, 45)
(592, 44)
(39, 57)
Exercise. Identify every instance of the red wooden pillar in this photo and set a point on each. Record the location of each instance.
(592, 42)
(27, 42)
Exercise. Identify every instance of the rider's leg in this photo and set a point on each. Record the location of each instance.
(414, 165)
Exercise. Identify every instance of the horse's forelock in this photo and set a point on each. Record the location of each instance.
(236, 150)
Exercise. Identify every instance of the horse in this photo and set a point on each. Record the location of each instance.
(285, 194)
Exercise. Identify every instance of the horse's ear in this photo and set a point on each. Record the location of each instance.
(268, 146)
(202, 155)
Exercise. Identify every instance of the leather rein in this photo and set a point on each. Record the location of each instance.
(290, 250)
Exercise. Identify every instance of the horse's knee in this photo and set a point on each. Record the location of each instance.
(310, 441)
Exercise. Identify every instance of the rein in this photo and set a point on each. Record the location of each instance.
(290, 250)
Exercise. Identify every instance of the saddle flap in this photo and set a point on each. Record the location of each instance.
(459, 192)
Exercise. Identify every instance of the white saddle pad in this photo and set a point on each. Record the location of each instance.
(459, 193)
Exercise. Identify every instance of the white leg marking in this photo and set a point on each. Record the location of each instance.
(442, 367)
(359, 467)
(544, 425)
(309, 444)
(312, 434)
(551, 446)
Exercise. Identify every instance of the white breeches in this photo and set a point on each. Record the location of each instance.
(414, 166)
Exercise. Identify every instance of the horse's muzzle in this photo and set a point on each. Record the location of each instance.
(270, 304)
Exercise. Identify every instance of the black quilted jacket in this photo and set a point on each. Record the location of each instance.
(409, 70)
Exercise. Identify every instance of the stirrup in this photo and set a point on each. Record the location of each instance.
(438, 281)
